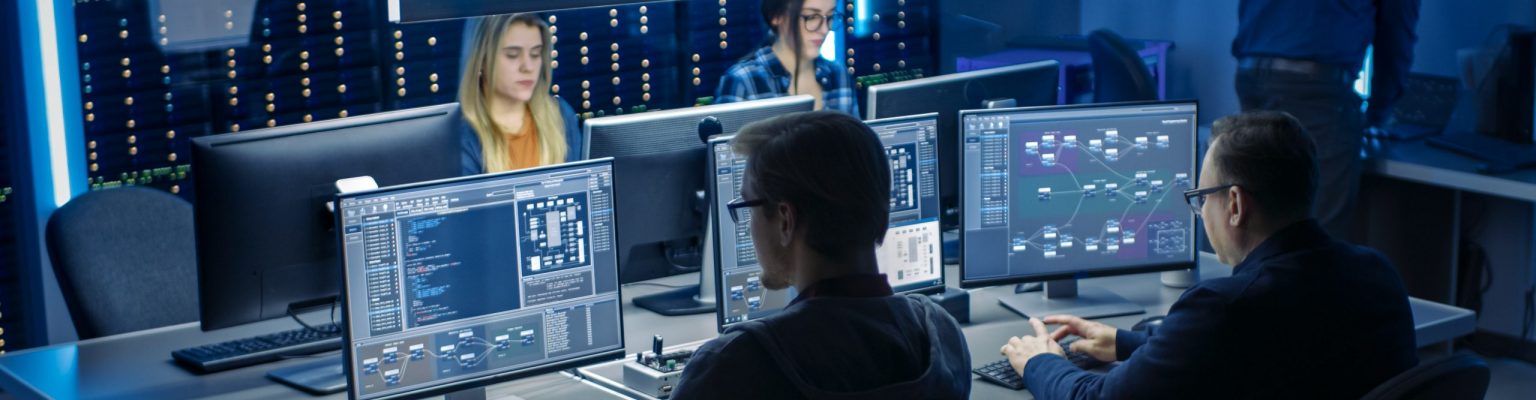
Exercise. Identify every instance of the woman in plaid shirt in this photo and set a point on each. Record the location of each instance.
(791, 64)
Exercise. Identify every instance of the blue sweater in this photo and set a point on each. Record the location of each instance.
(1303, 317)
(474, 160)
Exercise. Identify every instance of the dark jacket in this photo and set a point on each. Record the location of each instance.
(1302, 317)
(1335, 32)
(473, 159)
(891, 347)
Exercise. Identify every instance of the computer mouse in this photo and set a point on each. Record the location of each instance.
(1148, 323)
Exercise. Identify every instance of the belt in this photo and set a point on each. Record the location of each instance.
(1330, 72)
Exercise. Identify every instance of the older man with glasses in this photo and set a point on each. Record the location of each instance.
(1302, 316)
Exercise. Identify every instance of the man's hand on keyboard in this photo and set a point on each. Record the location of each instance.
(1098, 340)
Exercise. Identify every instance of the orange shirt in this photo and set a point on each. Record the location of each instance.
(523, 146)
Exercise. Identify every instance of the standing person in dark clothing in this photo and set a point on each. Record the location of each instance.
(1303, 57)
(1242, 336)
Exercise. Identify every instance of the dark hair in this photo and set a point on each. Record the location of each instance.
(790, 10)
(831, 168)
(1269, 154)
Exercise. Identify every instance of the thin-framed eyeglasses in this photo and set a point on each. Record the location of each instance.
(1196, 197)
(814, 22)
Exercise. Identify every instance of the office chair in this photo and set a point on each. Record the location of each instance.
(125, 260)
(1460, 376)
(1118, 72)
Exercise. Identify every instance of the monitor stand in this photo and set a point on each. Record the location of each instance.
(1065, 297)
(320, 377)
(691, 299)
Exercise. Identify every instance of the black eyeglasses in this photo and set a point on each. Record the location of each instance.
(1196, 197)
(814, 22)
(736, 207)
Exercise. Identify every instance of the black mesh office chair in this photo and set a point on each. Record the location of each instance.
(1118, 72)
(125, 260)
(1460, 376)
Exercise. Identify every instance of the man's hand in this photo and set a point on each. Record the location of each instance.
(1020, 349)
(1098, 340)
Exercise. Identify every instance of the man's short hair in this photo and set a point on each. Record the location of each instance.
(1269, 154)
(831, 168)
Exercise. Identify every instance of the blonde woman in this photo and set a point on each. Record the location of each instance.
(512, 120)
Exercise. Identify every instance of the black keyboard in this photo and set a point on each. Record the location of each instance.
(261, 349)
(1001, 372)
(1080, 359)
(1500, 156)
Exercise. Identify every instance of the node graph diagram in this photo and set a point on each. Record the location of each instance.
(1111, 192)
(452, 353)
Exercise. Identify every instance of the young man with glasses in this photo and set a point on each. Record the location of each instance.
(790, 62)
(1302, 316)
(816, 196)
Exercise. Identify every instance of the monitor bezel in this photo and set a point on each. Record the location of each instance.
(898, 87)
(731, 116)
(695, 114)
(485, 380)
(213, 293)
(1194, 258)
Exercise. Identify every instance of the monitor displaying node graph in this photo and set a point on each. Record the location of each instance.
(1074, 191)
(460, 282)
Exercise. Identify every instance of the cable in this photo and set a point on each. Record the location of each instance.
(306, 325)
(301, 322)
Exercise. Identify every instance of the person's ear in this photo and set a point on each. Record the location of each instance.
(776, 23)
(786, 228)
(1237, 206)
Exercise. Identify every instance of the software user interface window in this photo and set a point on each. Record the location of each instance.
(463, 280)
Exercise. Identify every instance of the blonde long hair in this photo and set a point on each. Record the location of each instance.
(480, 76)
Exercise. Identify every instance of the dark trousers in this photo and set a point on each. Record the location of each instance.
(1330, 110)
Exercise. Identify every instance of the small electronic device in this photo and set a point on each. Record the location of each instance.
(656, 372)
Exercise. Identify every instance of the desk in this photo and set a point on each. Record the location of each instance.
(991, 324)
(139, 365)
(1437, 182)
(1417, 161)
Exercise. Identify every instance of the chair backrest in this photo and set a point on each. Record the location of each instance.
(1460, 376)
(1118, 72)
(125, 260)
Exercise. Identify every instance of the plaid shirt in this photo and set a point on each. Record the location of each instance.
(760, 75)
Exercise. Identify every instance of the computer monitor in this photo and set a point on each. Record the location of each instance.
(660, 161)
(1058, 193)
(264, 232)
(1032, 84)
(910, 257)
(468, 281)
